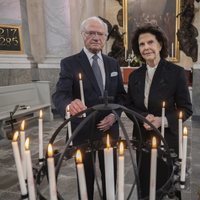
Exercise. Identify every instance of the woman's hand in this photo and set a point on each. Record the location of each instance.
(107, 122)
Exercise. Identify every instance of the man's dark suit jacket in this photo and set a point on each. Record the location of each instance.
(68, 88)
(169, 85)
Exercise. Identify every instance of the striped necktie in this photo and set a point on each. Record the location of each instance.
(97, 72)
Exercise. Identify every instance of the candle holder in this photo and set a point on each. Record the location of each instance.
(165, 161)
(132, 60)
(129, 59)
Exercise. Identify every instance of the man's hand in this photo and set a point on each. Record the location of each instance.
(107, 122)
(76, 106)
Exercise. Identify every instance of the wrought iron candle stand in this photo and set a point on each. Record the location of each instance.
(168, 187)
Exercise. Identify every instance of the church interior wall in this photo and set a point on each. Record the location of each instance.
(51, 32)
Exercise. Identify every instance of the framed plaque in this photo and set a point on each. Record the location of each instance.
(10, 39)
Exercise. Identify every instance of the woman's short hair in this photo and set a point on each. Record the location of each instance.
(154, 30)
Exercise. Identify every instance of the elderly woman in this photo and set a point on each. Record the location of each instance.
(157, 80)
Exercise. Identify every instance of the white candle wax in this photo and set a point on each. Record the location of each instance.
(18, 163)
(180, 135)
(152, 186)
(69, 127)
(31, 184)
(22, 148)
(40, 127)
(172, 50)
(81, 91)
(81, 176)
(120, 185)
(51, 173)
(109, 172)
(184, 159)
(125, 53)
(81, 180)
(132, 54)
(163, 121)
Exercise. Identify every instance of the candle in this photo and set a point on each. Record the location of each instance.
(40, 134)
(184, 158)
(163, 121)
(81, 91)
(125, 53)
(152, 186)
(31, 185)
(18, 163)
(81, 176)
(109, 171)
(121, 172)
(22, 147)
(132, 54)
(180, 135)
(69, 127)
(51, 173)
(172, 50)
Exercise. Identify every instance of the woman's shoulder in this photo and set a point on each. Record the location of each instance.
(169, 66)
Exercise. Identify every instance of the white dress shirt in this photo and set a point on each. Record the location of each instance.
(100, 62)
(148, 80)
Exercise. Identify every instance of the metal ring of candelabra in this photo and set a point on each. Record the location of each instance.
(69, 151)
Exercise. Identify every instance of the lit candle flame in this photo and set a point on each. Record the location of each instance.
(27, 142)
(50, 150)
(15, 136)
(108, 141)
(185, 131)
(22, 125)
(41, 114)
(180, 115)
(80, 76)
(154, 143)
(121, 148)
(78, 156)
(163, 104)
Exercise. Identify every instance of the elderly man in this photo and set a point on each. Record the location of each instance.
(99, 73)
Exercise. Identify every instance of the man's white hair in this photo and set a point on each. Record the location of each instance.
(94, 18)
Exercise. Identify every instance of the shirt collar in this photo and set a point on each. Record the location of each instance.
(89, 54)
(151, 68)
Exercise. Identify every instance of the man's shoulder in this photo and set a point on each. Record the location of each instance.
(112, 61)
(109, 57)
(71, 58)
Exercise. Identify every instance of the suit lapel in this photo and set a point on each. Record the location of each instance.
(157, 82)
(158, 78)
(107, 72)
(140, 84)
(142, 77)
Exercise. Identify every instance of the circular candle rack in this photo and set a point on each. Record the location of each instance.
(165, 160)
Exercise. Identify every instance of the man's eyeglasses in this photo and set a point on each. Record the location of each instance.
(93, 34)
